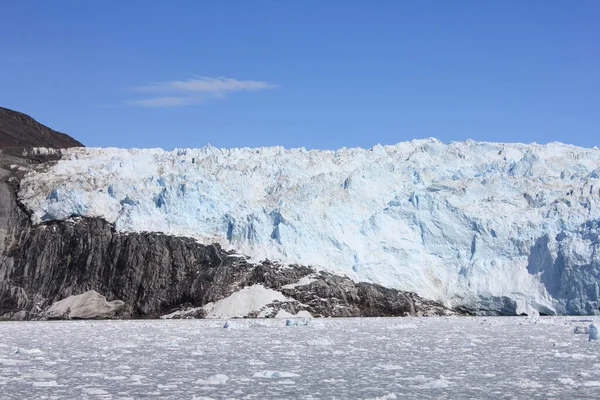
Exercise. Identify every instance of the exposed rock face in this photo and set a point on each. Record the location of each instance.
(337, 296)
(152, 273)
(20, 130)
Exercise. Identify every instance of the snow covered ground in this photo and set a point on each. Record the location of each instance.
(402, 358)
(461, 223)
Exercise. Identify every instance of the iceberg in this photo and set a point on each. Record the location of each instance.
(593, 332)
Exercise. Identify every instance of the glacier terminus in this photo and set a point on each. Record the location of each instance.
(492, 227)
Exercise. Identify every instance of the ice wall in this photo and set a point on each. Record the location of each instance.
(463, 223)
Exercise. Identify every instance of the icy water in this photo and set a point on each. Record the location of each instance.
(386, 358)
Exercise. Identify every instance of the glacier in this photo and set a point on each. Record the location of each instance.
(511, 228)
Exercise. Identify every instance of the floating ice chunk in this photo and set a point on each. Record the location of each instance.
(566, 381)
(401, 326)
(41, 375)
(167, 387)
(320, 341)
(390, 367)
(274, 374)
(9, 362)
(116, 378)
(575, 356)
(581, 330)
(244, 324)
(528, 384)
(20, 350)
(593, 332)
(236, 325)
(297, 322)
(434, 384)
(44, 384)
(94, 391)
(218, 379)
(256, 362)
(389, 396)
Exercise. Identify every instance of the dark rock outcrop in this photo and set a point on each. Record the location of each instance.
(338, 296)
(20, 130)
(152, 273)
(155, 273)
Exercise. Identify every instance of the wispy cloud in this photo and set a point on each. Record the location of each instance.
(193, 91)
(203, 84)
(165, 101)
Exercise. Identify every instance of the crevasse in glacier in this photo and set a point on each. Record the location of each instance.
(468, 223)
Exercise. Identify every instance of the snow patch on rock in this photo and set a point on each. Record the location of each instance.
(305, 280)
(300, 314)
(243, 302)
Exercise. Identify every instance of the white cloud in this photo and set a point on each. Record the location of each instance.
(194, 91)
(203, 84)
(165, 101)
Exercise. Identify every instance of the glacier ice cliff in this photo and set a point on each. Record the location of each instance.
(81, 267)
(498, 227)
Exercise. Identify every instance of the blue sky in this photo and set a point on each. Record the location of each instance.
(318, 74)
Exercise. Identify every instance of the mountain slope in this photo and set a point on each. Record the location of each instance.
(20, 130)
(491, 227)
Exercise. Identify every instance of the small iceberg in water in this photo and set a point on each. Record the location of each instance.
(593, 332)
(581, 330)
(297, 322)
